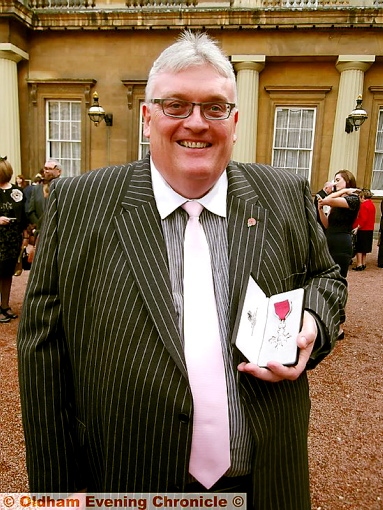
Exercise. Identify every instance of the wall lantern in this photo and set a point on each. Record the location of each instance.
(356, 117)
(97, 113)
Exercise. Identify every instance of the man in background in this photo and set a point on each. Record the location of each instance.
(37, 202)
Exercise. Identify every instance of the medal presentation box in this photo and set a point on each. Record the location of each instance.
(267, 328)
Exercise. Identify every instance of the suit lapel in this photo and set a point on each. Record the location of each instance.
(140, 233)
(246, 232)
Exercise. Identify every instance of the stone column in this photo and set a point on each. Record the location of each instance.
(248, 68)
(10, 55)
(345, 146)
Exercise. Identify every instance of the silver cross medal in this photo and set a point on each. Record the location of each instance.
(282, 310)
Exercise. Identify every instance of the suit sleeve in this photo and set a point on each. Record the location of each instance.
(46, 386)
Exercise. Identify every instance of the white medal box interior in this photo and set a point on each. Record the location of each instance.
(267, 328)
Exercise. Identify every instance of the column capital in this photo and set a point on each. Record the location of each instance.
(248, 62)
(9, 51)
(354, 62)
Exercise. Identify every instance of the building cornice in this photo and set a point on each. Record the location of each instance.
(221, 17)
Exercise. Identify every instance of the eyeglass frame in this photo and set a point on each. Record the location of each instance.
(229, 106)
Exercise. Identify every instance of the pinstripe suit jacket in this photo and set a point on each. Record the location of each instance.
(105, 396)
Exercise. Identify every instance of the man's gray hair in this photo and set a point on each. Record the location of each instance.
(191, 49)
(56, 163)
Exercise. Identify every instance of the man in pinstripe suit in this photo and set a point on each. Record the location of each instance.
(106, 401)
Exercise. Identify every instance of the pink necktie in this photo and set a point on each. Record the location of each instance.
(210, 452)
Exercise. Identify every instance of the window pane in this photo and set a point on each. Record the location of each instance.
(282, 118)
(65, 110)
(76, 111)
(76, 150)
(65, 131)
(76, 131)
(295, 119)
(54, 111)
(293, 138)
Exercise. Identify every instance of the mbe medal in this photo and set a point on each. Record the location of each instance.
(282, 310)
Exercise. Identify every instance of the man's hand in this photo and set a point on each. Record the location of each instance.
(275, 371)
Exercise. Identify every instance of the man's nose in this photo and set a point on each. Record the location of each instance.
(197, 116)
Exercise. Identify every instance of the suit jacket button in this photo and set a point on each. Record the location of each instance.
(183, 417)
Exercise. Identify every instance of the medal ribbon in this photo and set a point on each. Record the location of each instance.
(282, 309)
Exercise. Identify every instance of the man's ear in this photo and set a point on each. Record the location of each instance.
(146, 115)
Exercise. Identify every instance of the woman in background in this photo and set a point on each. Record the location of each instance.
(13, 234)
(364, 229)
(344, 207)
(21, 182)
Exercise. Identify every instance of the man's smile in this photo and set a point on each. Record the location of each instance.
(194, 145)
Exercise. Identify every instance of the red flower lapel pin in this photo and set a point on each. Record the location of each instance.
(251, 222)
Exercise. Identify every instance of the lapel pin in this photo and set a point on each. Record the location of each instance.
(251, 222)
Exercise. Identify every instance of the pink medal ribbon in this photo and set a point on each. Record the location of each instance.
(282, 309)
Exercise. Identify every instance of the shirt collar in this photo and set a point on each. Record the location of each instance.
(168, 200)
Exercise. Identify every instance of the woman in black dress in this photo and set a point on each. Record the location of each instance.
(344, 206)
(13, 223)
(344, 203)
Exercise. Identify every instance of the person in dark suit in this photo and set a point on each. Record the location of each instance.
(107, 403)
(37, 201)
(28, 191)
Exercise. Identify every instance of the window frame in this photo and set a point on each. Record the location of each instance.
(135, 99)
(63, 161)
(41, 91)
(301, 97)
(377, 191)
(294, 149)
(369, 161)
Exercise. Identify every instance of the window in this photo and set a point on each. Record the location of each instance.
(143, 142)
(64, 135)
(294, 139)
(377, 170)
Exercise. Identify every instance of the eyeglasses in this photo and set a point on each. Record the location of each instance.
(179, 109)
(3, 158)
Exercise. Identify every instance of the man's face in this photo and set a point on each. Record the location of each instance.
(191, 153)
(50, 171)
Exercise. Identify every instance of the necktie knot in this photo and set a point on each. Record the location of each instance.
(193, 208)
